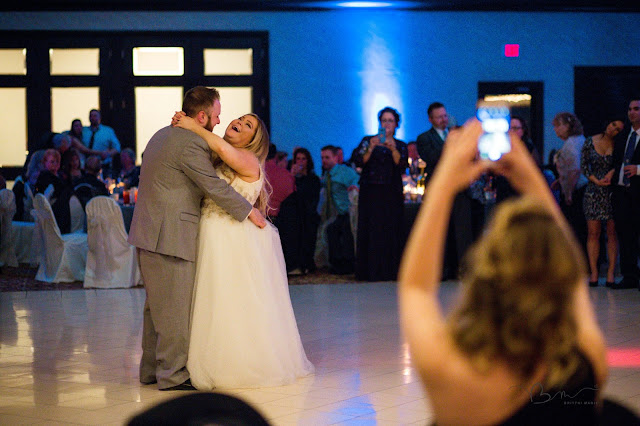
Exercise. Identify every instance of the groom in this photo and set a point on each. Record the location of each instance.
(176, 174)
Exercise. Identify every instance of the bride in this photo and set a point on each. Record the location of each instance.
(243, 329)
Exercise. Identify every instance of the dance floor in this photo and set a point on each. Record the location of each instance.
(71, 357)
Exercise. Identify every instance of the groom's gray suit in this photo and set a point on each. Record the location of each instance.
(176, 174)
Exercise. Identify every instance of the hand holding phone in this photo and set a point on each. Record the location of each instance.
(495, 119)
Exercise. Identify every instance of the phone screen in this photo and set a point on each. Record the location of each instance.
(495, 118)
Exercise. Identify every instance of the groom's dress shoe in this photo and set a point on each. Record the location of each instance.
(182, 386)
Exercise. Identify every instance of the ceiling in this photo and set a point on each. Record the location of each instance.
(314, 5)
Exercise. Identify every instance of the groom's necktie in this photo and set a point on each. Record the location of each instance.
(631, 147)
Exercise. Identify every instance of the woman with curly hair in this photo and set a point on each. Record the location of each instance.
(522, 344)
(243, 329)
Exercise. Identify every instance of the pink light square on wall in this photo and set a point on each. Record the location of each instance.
(511, 50)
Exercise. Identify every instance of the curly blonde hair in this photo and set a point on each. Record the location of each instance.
(517, 304)
(259, 145)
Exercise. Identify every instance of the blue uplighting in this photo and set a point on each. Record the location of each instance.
(364, 4)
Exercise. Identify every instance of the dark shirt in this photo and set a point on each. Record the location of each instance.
(130, 178)
(89, 186)
(380, 169)
(572, 403)
(46, 178)
(308, 188)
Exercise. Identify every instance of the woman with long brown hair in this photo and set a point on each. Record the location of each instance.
(523, 342)
(596, 162)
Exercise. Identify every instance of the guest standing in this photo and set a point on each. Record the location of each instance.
(308, 189)
(283, 209)
(336, 235)
(597, 165)
(381, 201)
(571, 181)
(101, 138)
(626, 196)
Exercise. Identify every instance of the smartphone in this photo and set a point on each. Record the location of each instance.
(382, 134)
(495, 117)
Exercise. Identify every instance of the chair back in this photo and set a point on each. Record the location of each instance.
(7, 211)
(111, 261)
(28, 203)
(78, 220)
(47, 235)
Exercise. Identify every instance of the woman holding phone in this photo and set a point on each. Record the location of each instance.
(522, 346)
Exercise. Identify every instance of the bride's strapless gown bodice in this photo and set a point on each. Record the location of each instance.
(249, 190)
(243, 328)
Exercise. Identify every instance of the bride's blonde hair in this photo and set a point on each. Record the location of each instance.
(258, 145)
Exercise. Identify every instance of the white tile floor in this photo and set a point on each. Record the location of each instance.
(71, 357)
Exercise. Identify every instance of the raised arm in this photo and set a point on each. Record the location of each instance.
(421, 318)
(243, 162)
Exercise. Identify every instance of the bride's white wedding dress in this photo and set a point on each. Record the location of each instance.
(243, 329)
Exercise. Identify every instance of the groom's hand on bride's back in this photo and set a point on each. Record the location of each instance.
(256, 217)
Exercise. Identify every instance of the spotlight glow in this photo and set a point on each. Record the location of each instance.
(379, 77)
(364, 4)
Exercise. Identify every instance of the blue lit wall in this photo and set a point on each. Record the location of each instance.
(332, 71)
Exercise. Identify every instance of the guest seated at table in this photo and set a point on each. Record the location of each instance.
(522, 346)
(89, 185)
(129, 172)
(25, 184)
(55, 189)
(70, 168)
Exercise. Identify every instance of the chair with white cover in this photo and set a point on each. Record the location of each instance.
(78, 219)
(112, 262)
(28, 203)
(7, 210)
(62, 257)
(23, 241)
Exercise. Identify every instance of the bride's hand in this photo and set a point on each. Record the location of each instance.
(180, 119)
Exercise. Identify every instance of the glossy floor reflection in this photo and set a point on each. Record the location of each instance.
(71, 357)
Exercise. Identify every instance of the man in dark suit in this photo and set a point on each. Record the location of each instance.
(626, 196)
(431, 142)
(460, 234)
(176, 174)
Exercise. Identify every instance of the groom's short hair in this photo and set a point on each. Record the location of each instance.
(199, 98)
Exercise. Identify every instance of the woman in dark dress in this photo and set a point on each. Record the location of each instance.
(383, 159)
(308, 190)
(596, 163)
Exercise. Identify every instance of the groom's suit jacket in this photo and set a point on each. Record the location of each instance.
(175, 175)
(430, 146)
